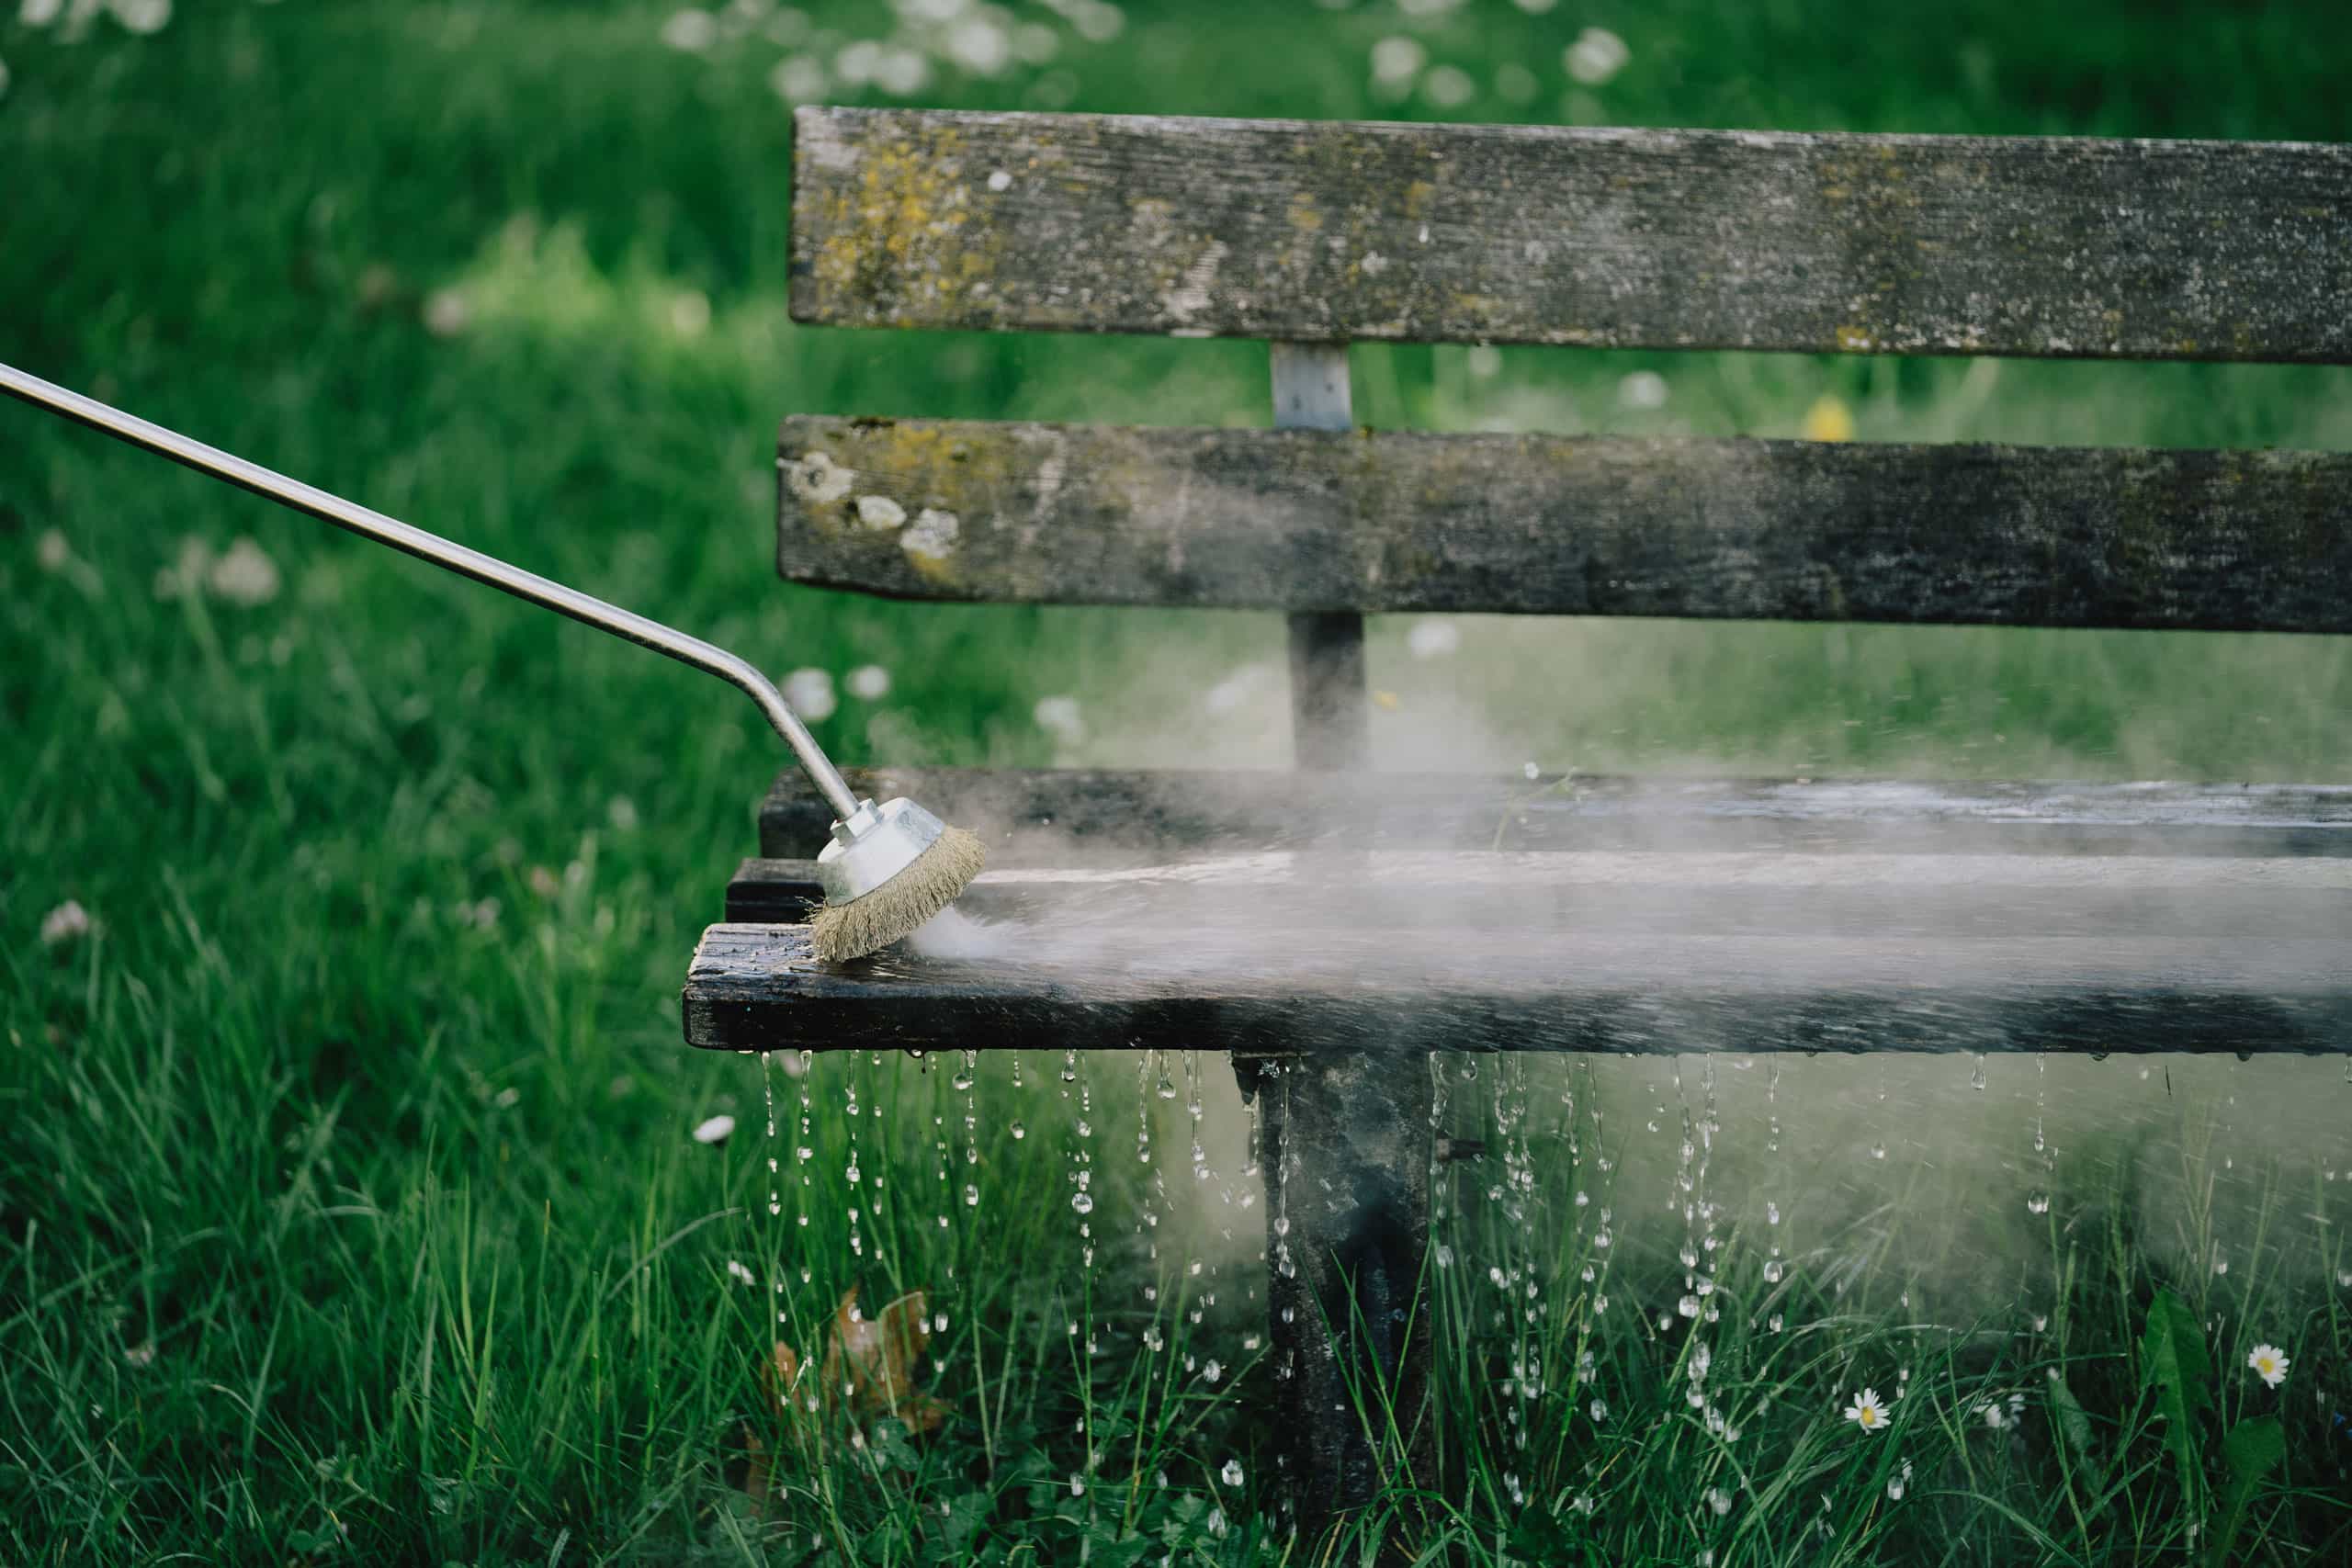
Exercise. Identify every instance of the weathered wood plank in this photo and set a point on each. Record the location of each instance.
(1055, 816)
(1306, 521)
(1386, 989)
(1960, 897)
(1660, 239)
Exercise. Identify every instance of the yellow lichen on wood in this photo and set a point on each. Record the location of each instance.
(894, 229)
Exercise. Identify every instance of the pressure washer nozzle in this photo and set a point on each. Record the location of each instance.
(888, 870)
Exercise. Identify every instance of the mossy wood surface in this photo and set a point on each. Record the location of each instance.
(2045, 246)
(1306, 521)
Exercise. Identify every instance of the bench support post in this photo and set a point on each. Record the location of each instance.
(1328, 729)
(1346, 1138)
(1344, 1144)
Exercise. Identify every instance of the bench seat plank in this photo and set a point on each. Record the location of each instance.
(1684, 893)
(1086, 984)
(2055, 246)
(1738, 529)
(1590, 951)
(1052, 816)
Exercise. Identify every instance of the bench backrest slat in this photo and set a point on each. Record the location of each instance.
(2056, 247)
(1308, 520)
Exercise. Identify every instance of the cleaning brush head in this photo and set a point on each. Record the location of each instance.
(888, 869)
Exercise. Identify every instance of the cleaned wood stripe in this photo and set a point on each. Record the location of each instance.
(1308, 521)
(1938, 901)
(1058, 816)
(2060, 247)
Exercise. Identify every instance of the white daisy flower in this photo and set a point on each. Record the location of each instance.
(798, 79)
(143, 16)
(1644, 389)
(446, 313)
(690, 31)
(714, 1130)
(1449, 87)
(2269, 1364)
(245, 576)
(1397, 60)
(810, 693)
(1595, 56)
(64, 923)
(1867, 1411)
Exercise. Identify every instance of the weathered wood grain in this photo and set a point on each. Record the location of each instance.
(1306, 521)
(1383, 988)
(1930, 898)
(1060, 816)
(1657, 239)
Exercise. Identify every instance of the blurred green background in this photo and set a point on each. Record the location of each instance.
(388, 882)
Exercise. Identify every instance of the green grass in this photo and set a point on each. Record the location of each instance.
(347, 1204)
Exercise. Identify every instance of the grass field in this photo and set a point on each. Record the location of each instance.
(348, 1204)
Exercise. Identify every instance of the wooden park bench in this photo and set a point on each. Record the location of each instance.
(1616, 915)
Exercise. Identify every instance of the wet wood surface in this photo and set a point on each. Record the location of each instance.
(1883, 895)
(1075, 816)
(1332, 231)
(1286, 953)
(1317, 521)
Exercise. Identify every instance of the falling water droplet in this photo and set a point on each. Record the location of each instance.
(1020, 1131)
(1082, 1202)
(2037, 1202)
(1231, 1474)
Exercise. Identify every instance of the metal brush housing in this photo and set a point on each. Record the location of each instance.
(873, 844)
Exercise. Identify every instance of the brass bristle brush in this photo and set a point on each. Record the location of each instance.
(890, 867)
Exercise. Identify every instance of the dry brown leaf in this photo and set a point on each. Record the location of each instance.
(872, 1360)
(868, 1369)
